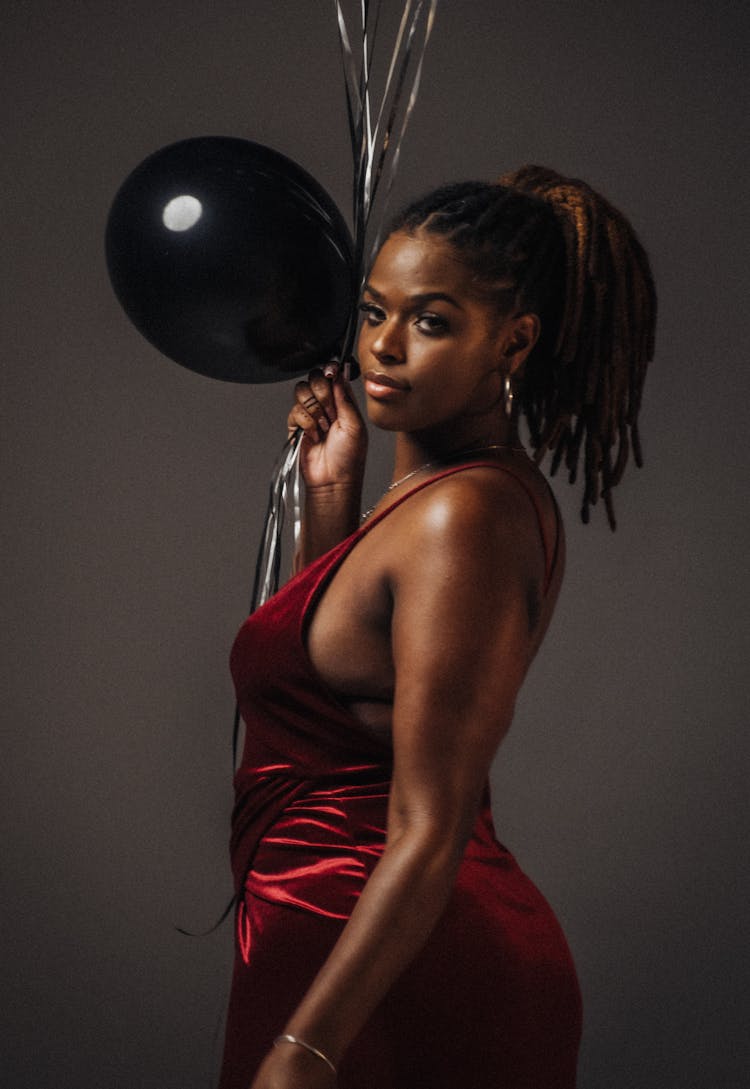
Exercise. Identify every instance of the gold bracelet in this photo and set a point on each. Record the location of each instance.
(285, 1038)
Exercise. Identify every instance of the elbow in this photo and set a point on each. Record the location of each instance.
(434, 843)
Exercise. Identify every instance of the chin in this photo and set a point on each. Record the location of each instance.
(380, 417)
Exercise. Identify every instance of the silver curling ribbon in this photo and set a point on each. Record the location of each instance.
(376, 131)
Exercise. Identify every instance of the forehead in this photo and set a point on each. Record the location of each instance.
(420, 264)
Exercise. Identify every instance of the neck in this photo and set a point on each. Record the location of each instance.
(414, 450)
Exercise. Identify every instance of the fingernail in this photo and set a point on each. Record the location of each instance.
(330, 370)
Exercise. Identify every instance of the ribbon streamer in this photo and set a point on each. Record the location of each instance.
(376, 147)
(268, 564)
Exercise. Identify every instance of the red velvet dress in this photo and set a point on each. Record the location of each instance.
(490, 1002)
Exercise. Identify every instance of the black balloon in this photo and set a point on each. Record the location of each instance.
(231, 260)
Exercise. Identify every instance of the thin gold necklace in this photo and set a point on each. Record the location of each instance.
(433, 465)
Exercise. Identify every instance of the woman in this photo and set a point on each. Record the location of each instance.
(386, 940)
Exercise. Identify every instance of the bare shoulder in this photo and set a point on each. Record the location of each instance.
(478, 516)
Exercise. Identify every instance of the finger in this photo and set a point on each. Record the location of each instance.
(316, 408)
(299, 417)
(311, 403)
(314, 393)
(319, 382)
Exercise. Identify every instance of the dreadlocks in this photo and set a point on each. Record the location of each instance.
(553, 246)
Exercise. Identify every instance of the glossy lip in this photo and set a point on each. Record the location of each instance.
(379, 384)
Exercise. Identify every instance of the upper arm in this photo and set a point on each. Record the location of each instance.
(461, 643)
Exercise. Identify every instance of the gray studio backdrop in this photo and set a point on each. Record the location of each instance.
(133, 493)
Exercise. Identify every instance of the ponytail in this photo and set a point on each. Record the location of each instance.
(604, 343)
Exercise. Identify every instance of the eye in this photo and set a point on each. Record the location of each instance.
(373, 314)
(431, 324)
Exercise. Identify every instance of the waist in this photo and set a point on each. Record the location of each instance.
(319, 851)
(322, 845)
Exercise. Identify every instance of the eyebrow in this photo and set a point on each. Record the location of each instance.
(417, 300)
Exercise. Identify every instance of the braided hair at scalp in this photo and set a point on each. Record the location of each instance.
(549, 245)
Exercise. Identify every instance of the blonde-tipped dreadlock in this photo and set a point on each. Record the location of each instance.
(561, 250)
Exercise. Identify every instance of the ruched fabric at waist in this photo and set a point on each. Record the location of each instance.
(313, 843)
(289, 830)
(320, 850)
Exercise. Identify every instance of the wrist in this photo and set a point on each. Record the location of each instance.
(288, 1039)
(335, 496)
(333, 489)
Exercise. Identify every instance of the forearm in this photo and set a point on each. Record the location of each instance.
(395, 914)
(331, 513)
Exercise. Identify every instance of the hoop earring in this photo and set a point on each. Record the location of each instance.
(508, 396)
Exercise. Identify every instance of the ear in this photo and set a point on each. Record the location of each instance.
(518, 337)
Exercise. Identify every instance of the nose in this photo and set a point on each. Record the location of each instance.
(387, 343)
